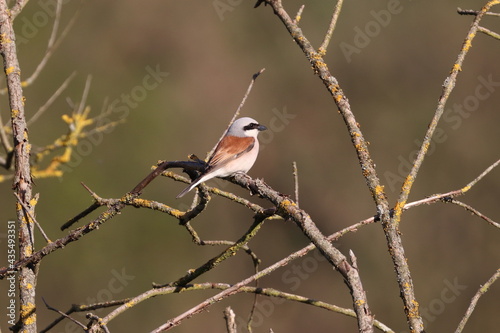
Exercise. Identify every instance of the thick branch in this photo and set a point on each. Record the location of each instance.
(22, 178)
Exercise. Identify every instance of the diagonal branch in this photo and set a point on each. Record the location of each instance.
(228, 253)
(333, 22)
(489, 32)
(52, 44)
(473, 211)
(484, 288)
(360, 144)
(447, 89)
(17, 8)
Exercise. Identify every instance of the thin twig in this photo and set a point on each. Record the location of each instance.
(64, 314)
(98, 321)
(448, 87)
(227, 253)
(17, 8)
(484, 288)
(298, 16)
(53, 44)
(52, 98)
(473, 211)
(474, 12)
(85, 94)
(84, 308)
(481, 176)
(5, 141)
(55, 26)
(296, 181)
(489, 32)
(238, 110)
(28, 212)
(256, 263)
(333, 22)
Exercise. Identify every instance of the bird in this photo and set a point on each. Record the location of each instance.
(235, 153)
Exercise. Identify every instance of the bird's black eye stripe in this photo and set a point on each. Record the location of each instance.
(251, 126)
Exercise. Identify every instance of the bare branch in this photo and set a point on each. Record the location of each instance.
(83, 308)
(333, 22)
(230, 318)
(298, 16)
(484, 288)
(448, 86)
(85, 94)
(23, 182)
(52, 45)
(28, 210)
(474, 12)
(63, 314)
(361, 146)
(489, 32)
(17, 8)
(52, 99)
(5, 143)
(228, 253)
(296, 181)
(473, 211)
(242, 181)
(238, 110)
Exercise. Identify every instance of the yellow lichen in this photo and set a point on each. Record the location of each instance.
(26, 310)
(379, 189)
(28, 250)
(31, 319)
(130, 304)
(360, 302)
(177, 213)
(399, 209)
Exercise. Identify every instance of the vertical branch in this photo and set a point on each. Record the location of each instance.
(372, 180)
(22, 178)
(447, 89)
(391, 226)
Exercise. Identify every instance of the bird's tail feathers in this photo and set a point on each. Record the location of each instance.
(190, 187)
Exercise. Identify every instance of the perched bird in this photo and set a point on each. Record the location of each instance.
(235, 153)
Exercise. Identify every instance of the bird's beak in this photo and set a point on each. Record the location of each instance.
(262, 128)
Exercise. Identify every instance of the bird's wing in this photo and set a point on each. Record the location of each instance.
(229, 148)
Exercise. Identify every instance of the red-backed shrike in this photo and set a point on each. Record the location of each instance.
(235, 153)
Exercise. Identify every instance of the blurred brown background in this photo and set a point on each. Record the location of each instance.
(392, 80)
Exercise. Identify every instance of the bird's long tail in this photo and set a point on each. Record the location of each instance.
(190, 187)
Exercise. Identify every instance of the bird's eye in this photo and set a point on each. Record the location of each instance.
(251, 126)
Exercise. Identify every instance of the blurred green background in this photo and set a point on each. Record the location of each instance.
(210, 49)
